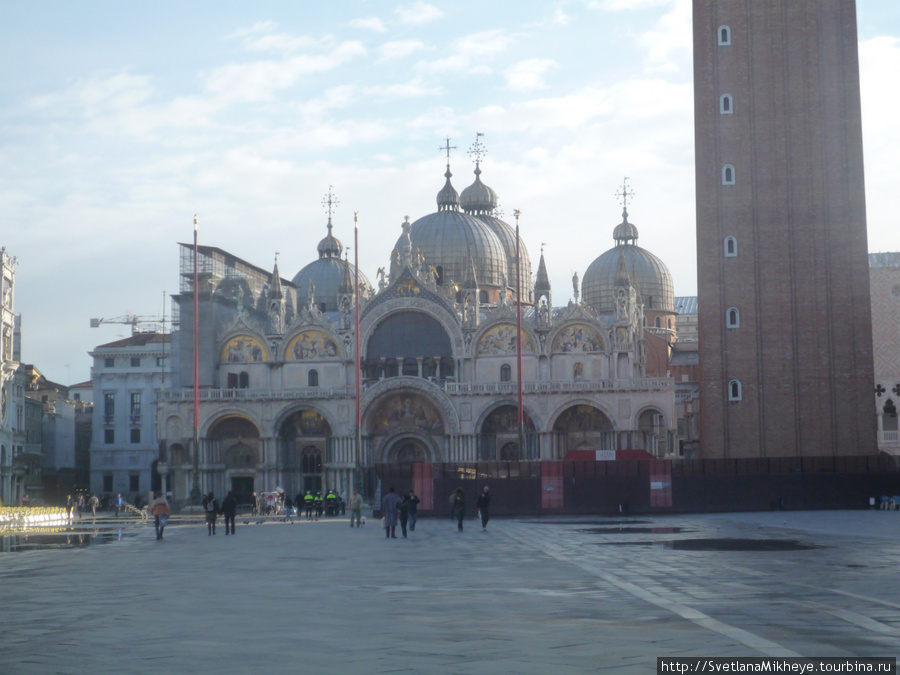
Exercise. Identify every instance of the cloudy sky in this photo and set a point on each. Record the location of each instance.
(121, 120)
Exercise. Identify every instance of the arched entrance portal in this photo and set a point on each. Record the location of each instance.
(499, 436)
(582, 427)
(304, 446)
(408, 450)
(235, 443)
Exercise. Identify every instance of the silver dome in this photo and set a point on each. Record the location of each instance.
(326, 275)
(647, 272)
(507, 236)
(447, 238)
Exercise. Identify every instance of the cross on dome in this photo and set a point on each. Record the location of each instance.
(477, 149)
(624, 194)
(331, 202)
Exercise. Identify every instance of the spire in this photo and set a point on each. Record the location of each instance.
(330, 246)
(542, 282)
(276, 291)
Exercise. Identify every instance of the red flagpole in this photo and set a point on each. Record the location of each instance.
(195, 481)
(358, 355)
(522, 450)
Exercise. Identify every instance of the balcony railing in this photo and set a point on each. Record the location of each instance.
(658, 384)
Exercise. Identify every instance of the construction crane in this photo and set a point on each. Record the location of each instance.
(151, 323)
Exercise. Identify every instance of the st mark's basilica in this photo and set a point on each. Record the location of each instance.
(437, 335)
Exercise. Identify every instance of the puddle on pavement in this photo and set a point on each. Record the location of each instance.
(14, 543)
(587, 522)
(636, 530)
(721, 544)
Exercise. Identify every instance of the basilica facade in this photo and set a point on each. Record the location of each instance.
(438, 361)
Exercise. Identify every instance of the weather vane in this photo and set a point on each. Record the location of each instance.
(624, 194)
(477, 150)
(330, 201)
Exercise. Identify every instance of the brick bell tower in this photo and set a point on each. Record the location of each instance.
(783, 286)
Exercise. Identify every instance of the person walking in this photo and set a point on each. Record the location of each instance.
(120, 504)
(389, 507)
(288, 509)
(229, 510)
(355, 507)
(159, 508)
(403, 514)
(70, 507)
(79, 506)
(211, 506)
(459, 508)
(413, 510)
(93, 502)
(484, 507)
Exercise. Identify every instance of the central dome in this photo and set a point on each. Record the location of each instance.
(326, 274)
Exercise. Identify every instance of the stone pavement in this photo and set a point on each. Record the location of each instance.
(551, 595)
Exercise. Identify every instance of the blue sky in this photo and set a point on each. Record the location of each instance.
(120, 120)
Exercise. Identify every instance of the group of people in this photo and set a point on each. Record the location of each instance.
(458, 507)
(212, 508)
(75, 506)
(404, 510)
(316, 505)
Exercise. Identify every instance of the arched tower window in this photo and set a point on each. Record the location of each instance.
(482, 297)
(724, 36)
(730, 247)
(733, 318)
(505, 373)
(889, 419)
(726, 104)
(728, 175)
(658, 323)
(734, 390)
(312, 378)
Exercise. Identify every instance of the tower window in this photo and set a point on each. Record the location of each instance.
(312, 379)
(505, 373)
(482, 297)
(658, 323)
(725, 104)
(734, 390)
(728, 175)
(244, 380)
(733, 318)
(730, 247)
(724, 36)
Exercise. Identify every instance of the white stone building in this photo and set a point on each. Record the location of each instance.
(438, 359)
(12, 389)
(884, 281)
(127, 376)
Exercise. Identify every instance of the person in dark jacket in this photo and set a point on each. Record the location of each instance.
(413, 510)
(403, 514)
(229, 510)
(390, 505)
(211, 506)
(459, 508)
(484, 507)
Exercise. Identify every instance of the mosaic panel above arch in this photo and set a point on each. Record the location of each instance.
(406, 409)
(582, 417)
(505, 420)
(243, 349)
(578, 337)
(305, 423)
(501, 341)
(312, 345)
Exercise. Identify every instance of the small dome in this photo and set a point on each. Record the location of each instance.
(330, 246)
(448, 197)
(478, 198)
(625, 231)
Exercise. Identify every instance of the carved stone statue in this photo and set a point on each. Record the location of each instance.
(575, 285)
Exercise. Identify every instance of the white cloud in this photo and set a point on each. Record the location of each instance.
(625, 5)
(560, 18)
(670, 41)
(258, 81)
(372, 23)
(404, 90)
(528, 75)
(418, 13)
(470, 53)
(258, 27)
(399, 49)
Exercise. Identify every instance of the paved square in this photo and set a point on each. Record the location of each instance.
(552, 595)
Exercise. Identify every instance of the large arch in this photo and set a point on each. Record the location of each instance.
(303, 437)
(498, 434)
(582, 426)
(409, 447)
(405, 416)
(375, 393)
(409, 342)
